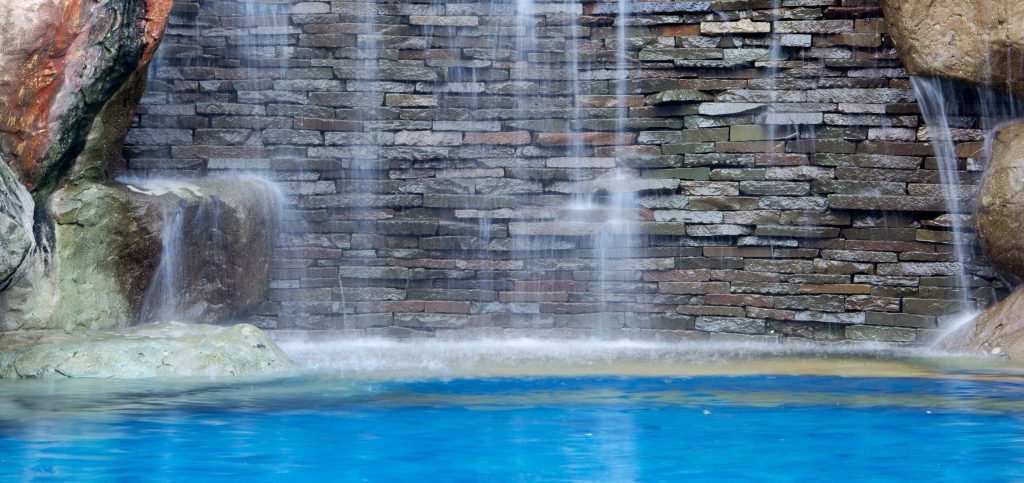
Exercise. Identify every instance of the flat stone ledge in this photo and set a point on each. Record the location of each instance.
(156, 350)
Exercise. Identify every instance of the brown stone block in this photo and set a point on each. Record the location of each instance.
(677, 30)
(740, 300)
(509, 297)
(550, 286)
(693, 288)
(848, 289)
(587, 138)
(517, 138)
(770, 314)
(713, 310)
(446, 307)
(390, 306)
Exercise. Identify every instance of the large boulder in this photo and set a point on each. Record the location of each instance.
(156, 350)
(979, 43)
(218, 237)
(195, 251)
(999, 216)
(998, 331)
(16, 219)
(71, 72)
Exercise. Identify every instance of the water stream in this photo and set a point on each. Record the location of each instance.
(936, 110)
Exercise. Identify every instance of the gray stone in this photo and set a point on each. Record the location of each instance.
(17, 240)
(160, 350)
(677, 96)
(739, 325)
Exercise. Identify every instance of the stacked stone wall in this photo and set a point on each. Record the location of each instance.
(427, 195)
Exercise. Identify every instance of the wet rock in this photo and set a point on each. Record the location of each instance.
(103, 258)
(16, 219)
(973, 42)
(158, 350)
(999, 216)
(217, 238)
(70, 75)
(677, 96)
(998, 331)
(122, 254)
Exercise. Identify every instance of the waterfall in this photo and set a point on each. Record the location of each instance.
(940, 102)
(262, 48)
(367, 149)
(775, 56)
(936, 107)
(616, 239)
(216, 237)
(164, 299)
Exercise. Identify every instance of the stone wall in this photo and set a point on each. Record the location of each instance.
(428, 190)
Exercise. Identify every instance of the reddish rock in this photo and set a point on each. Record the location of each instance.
(61, 63)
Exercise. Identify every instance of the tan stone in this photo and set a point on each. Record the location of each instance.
(1000, 211)
(743, 26)
(973, 42)
(998, 331)
(158, 350)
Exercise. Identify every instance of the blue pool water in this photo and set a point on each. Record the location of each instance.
(547, 429)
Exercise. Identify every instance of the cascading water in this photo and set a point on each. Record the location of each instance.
(775, 56)
(215, 235)
(262, 49)
(616, 238)
(936, 109)
(942, 101)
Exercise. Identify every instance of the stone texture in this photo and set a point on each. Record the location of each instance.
(61, 64)
(999, 216)
(107, 243)
(973, 42)
(16, 220)
(159, 350)
(999, 331)
(469, 174)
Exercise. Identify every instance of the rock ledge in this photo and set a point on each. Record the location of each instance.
(155, 350)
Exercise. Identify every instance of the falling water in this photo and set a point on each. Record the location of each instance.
(774, 68)
(164, 300)
(366, 145)
(195, 239)
(936, 109)
(941, 101)
(617, 237)
(262, 49)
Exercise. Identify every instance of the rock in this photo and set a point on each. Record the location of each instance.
(71, 74)
(116, 261)
(613, 184)
(101, 262)
(157, 350)
(218, 239)
(973, 42)
(999, 216)
(16, 219)
(743, 26)
(999, 330)
(69, 70)
(677, 96)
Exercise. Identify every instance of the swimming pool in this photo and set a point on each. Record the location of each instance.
(325, 428)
